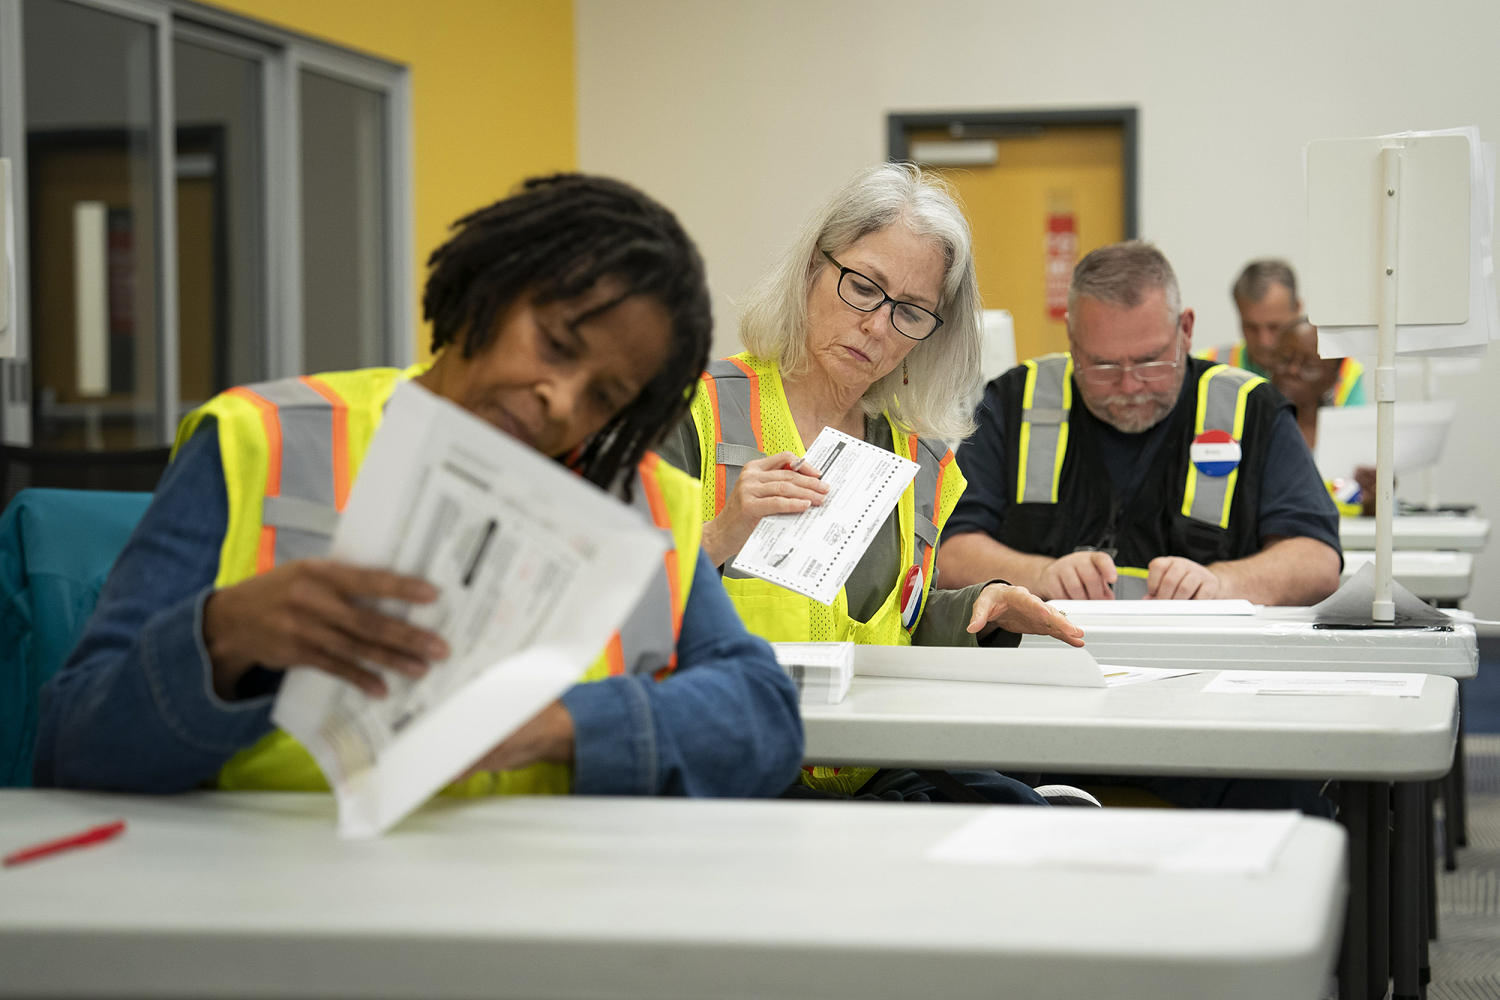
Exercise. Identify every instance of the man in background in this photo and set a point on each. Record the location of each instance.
(1175, 478)
(1265, 294)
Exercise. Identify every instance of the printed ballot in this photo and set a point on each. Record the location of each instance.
(814, 552)
(535, 568)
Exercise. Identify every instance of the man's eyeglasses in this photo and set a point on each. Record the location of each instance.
(909, 319)
(1147, 371)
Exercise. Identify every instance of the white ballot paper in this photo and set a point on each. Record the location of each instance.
(1316, 682)
(1116, 676)
(814, 552)
(536, 570)
(1149, 609)
(1153, 840)
(821, 670)
(1053, 666)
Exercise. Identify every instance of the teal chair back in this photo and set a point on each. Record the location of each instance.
(56, 548)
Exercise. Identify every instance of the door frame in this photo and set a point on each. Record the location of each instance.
(986, 124)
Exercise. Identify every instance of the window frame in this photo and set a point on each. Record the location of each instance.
(283, 55)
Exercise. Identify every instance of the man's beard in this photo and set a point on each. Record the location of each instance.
(1146, 410)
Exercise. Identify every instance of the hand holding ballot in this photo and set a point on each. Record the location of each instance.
(316, 613)
(777, 484)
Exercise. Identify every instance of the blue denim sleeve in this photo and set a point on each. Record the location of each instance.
(982, 460)
(725, 723)
(133, 708)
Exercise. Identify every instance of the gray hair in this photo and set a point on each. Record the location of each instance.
(1258, 277)
(943, 370)
(1121, 274)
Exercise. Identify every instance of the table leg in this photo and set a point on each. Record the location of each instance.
(1429, 864)
(1460, 773)
(1354, 957)
(1407, 903)
(1378, 880)
(1448, 792)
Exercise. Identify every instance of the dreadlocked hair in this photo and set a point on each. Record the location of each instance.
(555, 239)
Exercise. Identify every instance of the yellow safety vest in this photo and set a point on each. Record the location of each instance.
(291, 450)
(1046, 402)
(1235, 354)
(741, 413)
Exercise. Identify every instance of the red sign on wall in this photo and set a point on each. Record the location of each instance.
(1060, 254)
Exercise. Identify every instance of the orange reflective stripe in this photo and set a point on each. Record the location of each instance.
(614, 655)
(754, 399)
(341, 482)
(713, 402)
(663, 520)
(937, 507)
(265, 552)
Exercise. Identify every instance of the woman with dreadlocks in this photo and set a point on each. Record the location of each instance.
(573, 316)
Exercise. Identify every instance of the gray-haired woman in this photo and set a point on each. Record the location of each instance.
(869, 324)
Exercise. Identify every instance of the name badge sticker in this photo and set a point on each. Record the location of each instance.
(1215, 453)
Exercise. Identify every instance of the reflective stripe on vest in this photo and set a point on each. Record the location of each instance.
(643, 645)
(308, 477)
(733, 390)
(1222, 391)
(1045, 403)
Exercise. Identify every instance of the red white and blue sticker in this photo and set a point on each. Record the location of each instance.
(1215, 453)
(911, 598)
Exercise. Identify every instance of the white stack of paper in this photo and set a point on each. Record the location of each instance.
(821, 670)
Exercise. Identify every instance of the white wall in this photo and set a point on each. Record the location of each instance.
(743, 115)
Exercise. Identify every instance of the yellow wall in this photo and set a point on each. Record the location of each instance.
(492, 84)
(1067, 168)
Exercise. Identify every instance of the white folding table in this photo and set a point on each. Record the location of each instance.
(1433, 532)
(1171, 727)
(1433, 576)
(1271, 639)
(253, 895)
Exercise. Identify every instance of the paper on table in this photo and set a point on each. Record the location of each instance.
(1116, 676)
(821, 670)
(536, 569)
(1151, 608)
(1064, 666)
(1153, 840)
(814, 552)
(1316, 682)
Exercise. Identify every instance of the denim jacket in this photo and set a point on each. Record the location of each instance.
(133, 708)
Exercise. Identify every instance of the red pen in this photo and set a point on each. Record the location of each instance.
(95, 835)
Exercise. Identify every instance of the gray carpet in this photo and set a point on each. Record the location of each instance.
(1466, 955)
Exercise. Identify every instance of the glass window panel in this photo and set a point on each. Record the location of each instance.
(91, 134)
(221, 211)
(344, 227)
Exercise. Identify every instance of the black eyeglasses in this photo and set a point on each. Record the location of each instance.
(908, 318)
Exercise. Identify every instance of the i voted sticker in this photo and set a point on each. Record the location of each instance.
(1215, 453)
(911, 598)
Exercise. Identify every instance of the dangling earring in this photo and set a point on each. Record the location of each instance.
(904, 379)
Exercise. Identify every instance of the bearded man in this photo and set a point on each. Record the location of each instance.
(1178, 477)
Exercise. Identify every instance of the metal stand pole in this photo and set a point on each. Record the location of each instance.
(1383, 608)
